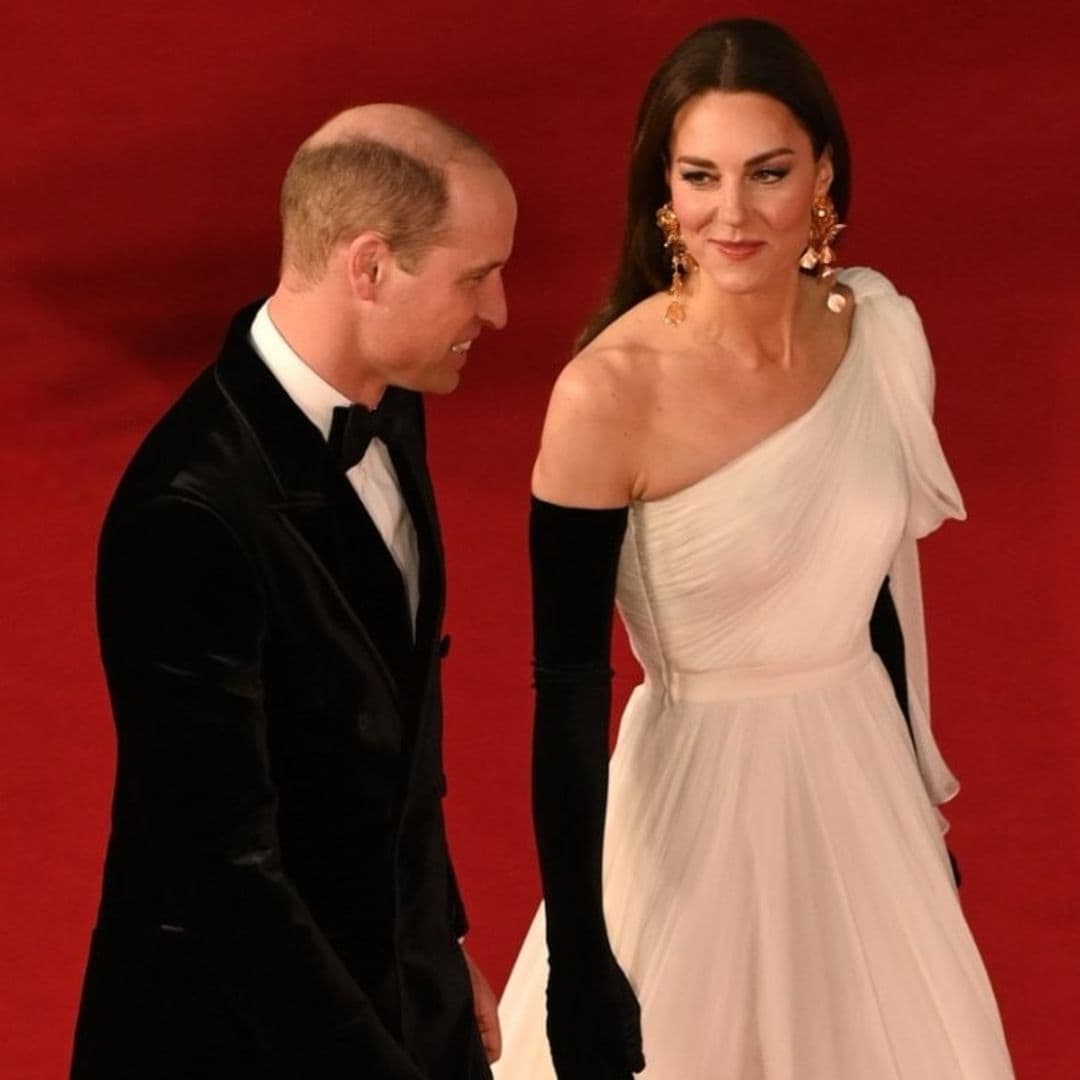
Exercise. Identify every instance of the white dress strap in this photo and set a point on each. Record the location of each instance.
(905, 371)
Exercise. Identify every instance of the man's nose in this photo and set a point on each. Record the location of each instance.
(492, 311)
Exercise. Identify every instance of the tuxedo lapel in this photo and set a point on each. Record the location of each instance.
(372, 579)
(318, 506)
(409, 459)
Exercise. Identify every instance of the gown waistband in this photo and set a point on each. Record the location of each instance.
(768, 680)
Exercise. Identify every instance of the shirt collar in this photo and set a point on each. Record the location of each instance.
(311, 393)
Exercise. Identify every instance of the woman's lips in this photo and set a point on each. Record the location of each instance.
(738, 249)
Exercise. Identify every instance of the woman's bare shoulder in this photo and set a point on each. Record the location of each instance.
(590, 446)
(642, 326)
(621, 360)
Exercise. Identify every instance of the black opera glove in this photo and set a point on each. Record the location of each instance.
(594, 1021)
(594, 1024)
(887, 640)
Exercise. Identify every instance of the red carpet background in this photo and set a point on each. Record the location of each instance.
(142, 156)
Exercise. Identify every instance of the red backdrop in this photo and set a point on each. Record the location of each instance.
(142, 157)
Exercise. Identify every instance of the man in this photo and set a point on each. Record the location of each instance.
(278, 898)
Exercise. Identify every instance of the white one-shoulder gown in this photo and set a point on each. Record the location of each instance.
(776, 884)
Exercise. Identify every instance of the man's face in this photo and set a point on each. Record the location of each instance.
(420, 329)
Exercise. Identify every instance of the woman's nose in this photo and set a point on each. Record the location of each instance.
(731, 204)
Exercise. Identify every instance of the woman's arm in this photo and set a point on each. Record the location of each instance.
(593, 1017)
(578, 517)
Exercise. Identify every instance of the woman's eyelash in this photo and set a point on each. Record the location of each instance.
(766, 175)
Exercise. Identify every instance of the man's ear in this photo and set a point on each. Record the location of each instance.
(823, 180)
(365, 263)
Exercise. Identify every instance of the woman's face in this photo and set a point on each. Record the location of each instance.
(743, 177)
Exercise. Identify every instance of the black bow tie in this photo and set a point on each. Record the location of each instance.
(354, 426)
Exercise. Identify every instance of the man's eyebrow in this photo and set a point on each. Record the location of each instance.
(481, 271)
(757, 159)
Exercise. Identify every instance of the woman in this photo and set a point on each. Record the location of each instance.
(743, 452)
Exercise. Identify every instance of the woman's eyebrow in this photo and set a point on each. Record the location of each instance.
(757, 159)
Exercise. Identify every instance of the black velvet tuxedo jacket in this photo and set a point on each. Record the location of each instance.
(278, 899)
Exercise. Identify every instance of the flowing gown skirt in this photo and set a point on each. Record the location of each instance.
(776, 923)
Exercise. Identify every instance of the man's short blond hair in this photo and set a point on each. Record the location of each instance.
(337, 188)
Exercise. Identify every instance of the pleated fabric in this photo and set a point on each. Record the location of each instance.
(776, 883)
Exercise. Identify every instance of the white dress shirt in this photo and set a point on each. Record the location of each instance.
(373, 477)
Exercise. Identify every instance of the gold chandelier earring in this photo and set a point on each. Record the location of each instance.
(682, 262)
(825, 226)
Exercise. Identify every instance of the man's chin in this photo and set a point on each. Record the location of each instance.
(447, 384)
(441, 382)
